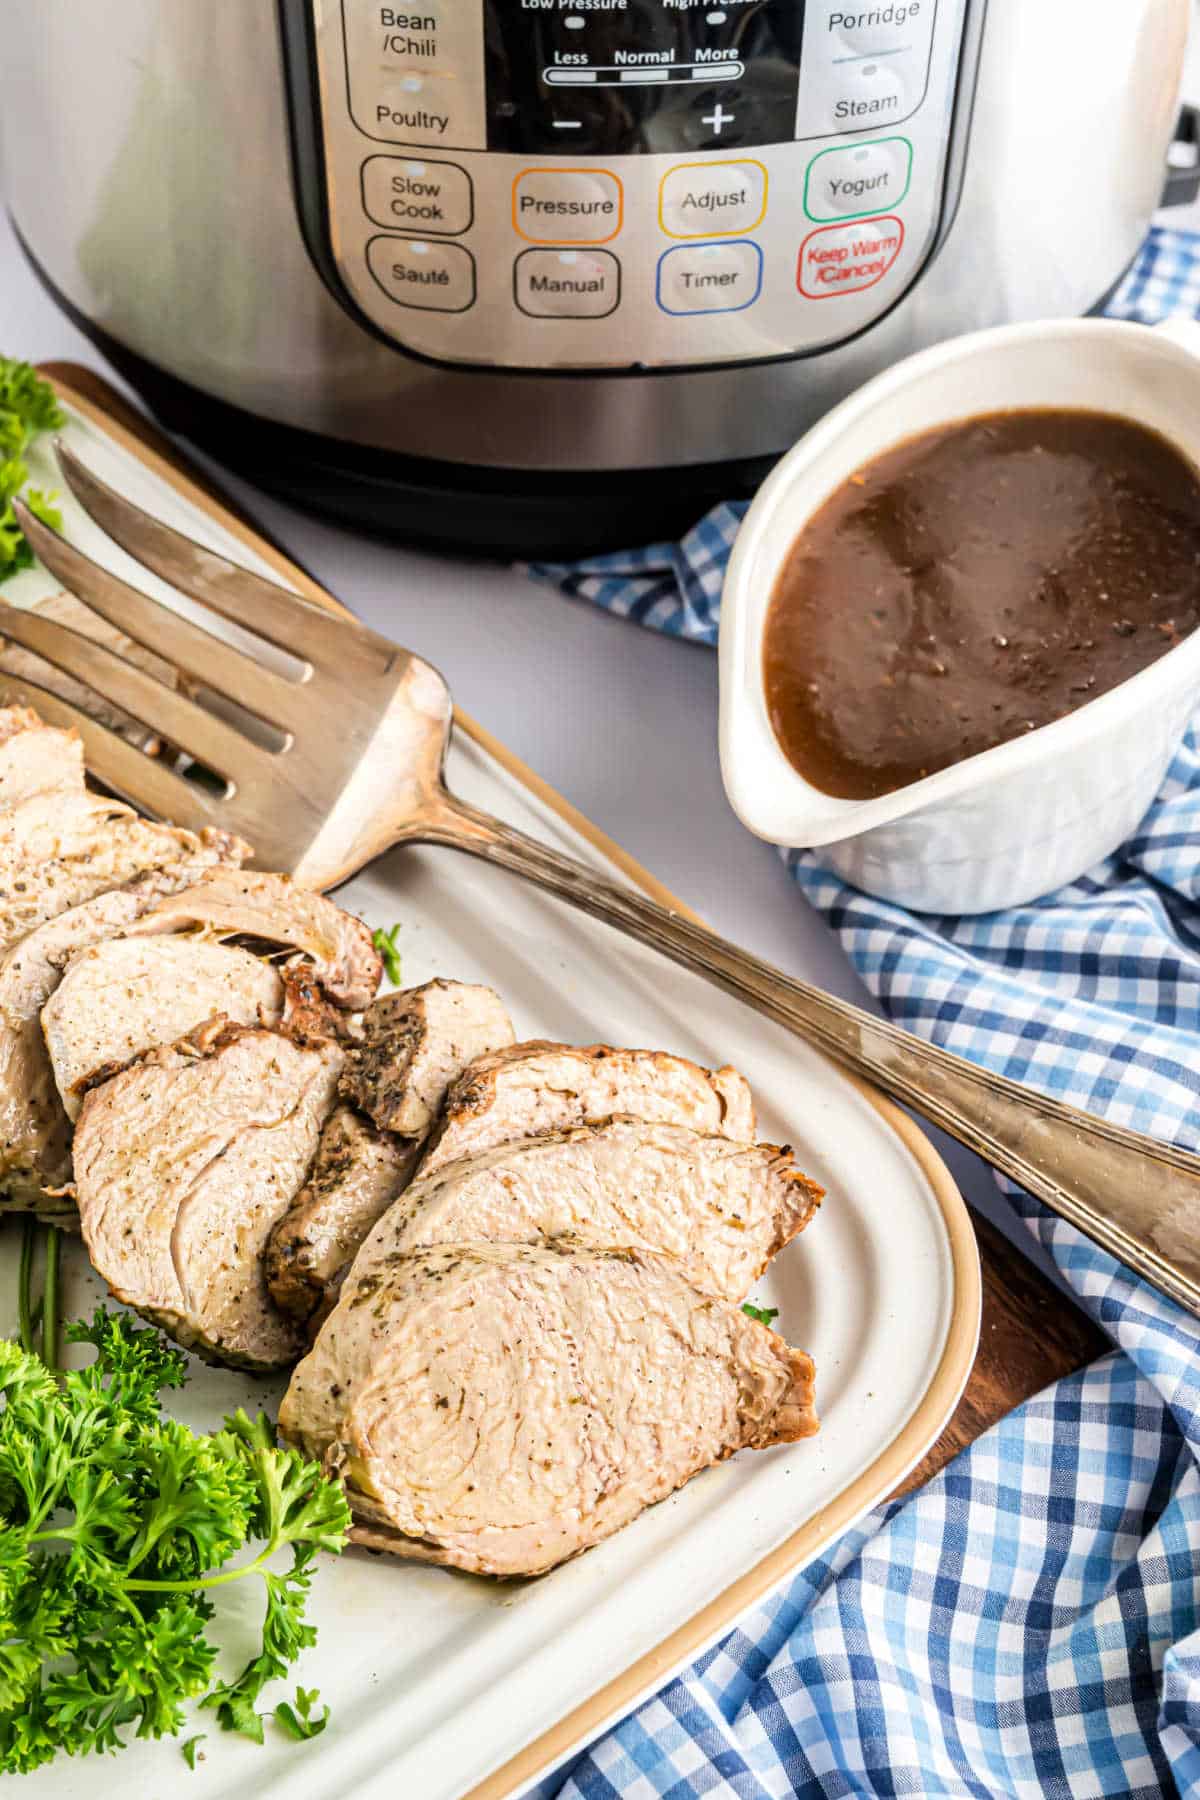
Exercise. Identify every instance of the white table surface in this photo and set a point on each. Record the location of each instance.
(619, 720)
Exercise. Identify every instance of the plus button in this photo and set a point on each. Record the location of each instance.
(718, 118)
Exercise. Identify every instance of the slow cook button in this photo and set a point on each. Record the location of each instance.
(702, 278)
(858, 180)
(432, 277)
(419, 196)
(712, 199)
(567, 206)
(567, 284)
(847, 259)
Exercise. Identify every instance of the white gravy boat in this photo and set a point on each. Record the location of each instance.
(1018, 821)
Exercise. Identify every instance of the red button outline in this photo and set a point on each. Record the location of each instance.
(856, 224)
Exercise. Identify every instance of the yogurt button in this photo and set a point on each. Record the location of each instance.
(858, 180)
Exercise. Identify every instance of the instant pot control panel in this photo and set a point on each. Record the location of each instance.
(616, 184)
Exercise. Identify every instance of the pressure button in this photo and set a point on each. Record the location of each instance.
(567, 206)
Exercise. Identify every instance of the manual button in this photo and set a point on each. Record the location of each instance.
(712, 199)
(431, 277)
(567, 284)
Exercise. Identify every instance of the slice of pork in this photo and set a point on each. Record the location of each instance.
(119, 999)
(183, 1163)
(59, 849)
(277, 910)
(414, 1044)
(721, 1208)
(356, 1175)
(34, 1130)
(35, 758)
(65, 609)
(500, 1408)
(537, 1088)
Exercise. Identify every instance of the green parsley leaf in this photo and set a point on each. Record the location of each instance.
(385, 943)
(190, 1747)
(766, 1315)
(299, 1721)
(115, 1522)
(27, 408)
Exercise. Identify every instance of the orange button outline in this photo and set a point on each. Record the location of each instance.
(734, 162)
(850, 225)
(542, 169)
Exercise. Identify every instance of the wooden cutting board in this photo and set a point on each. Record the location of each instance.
(1031, 1333)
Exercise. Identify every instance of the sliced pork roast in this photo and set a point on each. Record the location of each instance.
(500, 1408)
(61, 848)
(183, 1163)
(121, 998)
(413, 1045)
(35, 758)
(356, 1175)
(277, 910)
(721, 1208)
(537, 1088)
(34, 1130)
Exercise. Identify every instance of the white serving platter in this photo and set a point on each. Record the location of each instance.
(445, 1686)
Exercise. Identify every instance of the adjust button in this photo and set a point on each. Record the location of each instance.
(567, 206)
(712, 199)
(859, 180)
(703, 278)
(417, 196)
(429, 276)
(567, 284)
(848, 259)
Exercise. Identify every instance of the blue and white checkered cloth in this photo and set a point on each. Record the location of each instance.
(1028, 1625)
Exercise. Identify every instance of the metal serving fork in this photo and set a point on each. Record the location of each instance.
(354, 766)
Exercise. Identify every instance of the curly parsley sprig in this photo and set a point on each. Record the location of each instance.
(115, 1524)
(27, 408)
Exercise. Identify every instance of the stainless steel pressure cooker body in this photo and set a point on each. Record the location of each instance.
(542, 274)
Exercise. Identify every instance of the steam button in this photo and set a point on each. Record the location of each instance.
(428, 276)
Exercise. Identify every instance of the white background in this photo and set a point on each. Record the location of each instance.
(619, 720)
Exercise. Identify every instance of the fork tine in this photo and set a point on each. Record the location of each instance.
(293, 624)
(145, 782)
(209, 739)
(177, 640)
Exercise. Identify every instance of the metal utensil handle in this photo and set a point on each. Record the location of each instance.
(1138, 1198)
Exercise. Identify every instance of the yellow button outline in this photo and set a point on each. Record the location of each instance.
(734, 162)
(567, 243)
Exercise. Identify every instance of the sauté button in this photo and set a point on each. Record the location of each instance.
(567, 206)
(567, 284)
(859, 180)
(431, 277)
(416, 195)
(848, 259)
(712, 199)
(702, 278)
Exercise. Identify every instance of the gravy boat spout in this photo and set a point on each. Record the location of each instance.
(1020, 820)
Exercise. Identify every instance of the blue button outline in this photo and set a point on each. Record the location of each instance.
(693, 312)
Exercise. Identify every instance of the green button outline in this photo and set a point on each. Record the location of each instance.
(839, 150)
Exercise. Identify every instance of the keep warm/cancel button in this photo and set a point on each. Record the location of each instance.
(846, 259)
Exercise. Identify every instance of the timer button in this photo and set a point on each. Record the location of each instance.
(567, 206)
(706, 278)
(417, 196)
(859, 180)
(712, 199)
(427, 276)
(567, 284)
(848, 259)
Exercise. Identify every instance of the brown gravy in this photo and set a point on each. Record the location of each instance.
(975, 584)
